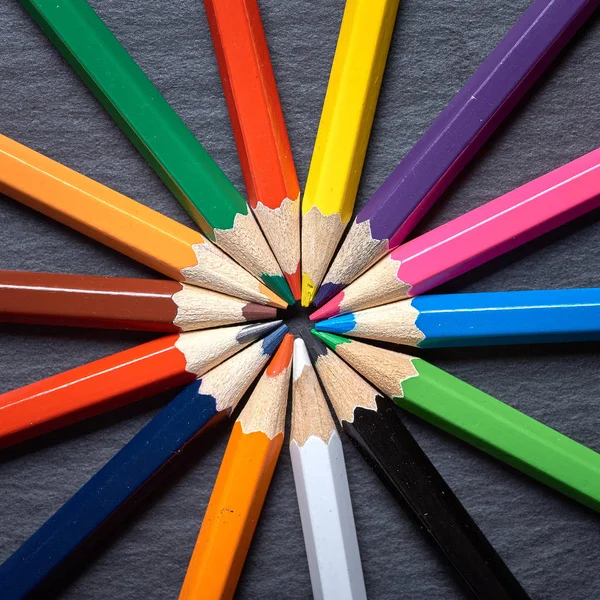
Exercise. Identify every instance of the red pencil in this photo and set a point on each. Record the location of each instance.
(119, 379)
(258, 127)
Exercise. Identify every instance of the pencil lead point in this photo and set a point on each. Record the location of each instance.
(332, 340)
(272, 341)
(341, 324)
(251, 333)
(325, 293)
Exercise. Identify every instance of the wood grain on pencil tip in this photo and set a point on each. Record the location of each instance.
(259, 127)
(480, 319)
(241, 486)
(158, 133)
(119, 303)
(373, 425)
(475, 237)
(477, 418)
(455, 136)
(123, 224)
(343, 135)
(119, 379)
(322, 488)
(109, 492)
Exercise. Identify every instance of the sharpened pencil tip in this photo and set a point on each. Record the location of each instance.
(278, 284)
(308, 290)
(331, 309)
(282, 358)
(251, 333)
(341, 324)
(332, 340)
(301, 358)
(293, 280)
(325, 293)
(272, 341)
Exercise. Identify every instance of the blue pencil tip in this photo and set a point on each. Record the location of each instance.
(341, 324)
(272, 341)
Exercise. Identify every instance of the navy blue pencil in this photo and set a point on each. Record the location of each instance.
(483, 319)
(202, 403)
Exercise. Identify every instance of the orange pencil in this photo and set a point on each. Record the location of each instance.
(123, 224)
(119, 379)
(241, 486)
(258, 127)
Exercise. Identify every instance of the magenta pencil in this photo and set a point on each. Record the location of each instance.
(475, 237)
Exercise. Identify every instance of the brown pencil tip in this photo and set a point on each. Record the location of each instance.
(258, 312)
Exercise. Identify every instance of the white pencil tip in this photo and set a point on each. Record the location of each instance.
(301, 359)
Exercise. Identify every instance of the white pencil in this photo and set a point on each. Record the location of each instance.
(322, 490)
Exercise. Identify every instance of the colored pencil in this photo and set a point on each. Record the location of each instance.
(111, 489)
(119, 379)
(322, 489)
(259, 127)
(477, 418)
(158, 133)
(475, 237)
(482, 319)
(455, 136)
(123, 224)
(373, 425)
(343, 135)
(241, 487)
(119, 303)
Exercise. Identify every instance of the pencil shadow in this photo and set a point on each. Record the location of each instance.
(507, 123)
(129, 514)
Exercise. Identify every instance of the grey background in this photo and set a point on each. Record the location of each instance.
(550, 542)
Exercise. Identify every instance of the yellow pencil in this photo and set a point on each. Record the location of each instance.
(343, 133)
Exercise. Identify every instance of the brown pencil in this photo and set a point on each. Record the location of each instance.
(119, 303)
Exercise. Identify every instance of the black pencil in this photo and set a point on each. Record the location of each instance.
(372, 423)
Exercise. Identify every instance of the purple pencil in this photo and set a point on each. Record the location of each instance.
(455, 136)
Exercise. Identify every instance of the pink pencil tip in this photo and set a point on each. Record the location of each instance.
(331, 309)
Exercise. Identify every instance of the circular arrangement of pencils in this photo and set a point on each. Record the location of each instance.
(219, 313)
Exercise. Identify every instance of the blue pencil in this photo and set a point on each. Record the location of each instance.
(200, 404)
(484, 319)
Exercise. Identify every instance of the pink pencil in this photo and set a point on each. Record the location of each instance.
(475, 237)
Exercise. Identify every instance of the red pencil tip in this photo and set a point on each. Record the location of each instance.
(282, 357)
(295, 282)
(331, 309)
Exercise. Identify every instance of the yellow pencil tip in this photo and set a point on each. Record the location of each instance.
(308, 290)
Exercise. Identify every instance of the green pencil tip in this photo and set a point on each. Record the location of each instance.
(332, 340)
(279, 285)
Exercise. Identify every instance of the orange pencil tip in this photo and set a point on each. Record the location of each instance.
(295, 282)
(283, 356)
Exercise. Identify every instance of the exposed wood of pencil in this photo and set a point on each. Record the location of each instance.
(119, 303)
(322, 489)
(475, 237)
(242, 485)
(109, 493)
(118, 379)
(123, 224)
(478, 419)
(480, 319)
(156, 130)
(259, 127)
(455, 136)
(343, 135)
(373, 424)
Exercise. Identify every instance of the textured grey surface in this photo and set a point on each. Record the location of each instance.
(550, 542)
